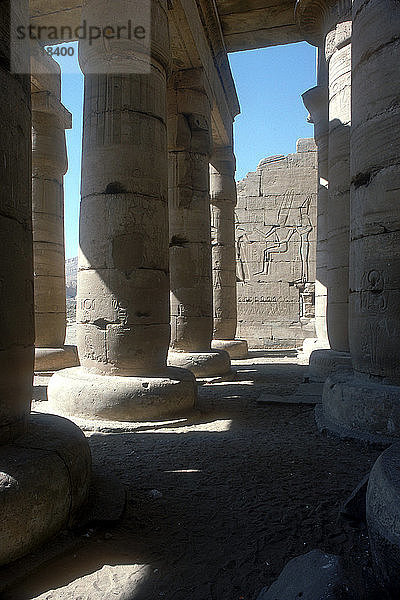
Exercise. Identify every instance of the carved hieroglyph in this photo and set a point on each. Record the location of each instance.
(275, 249)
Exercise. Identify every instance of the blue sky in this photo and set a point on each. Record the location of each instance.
(269, 83)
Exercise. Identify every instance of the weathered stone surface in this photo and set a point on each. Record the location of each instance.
(16, 276)
(338, 55)
(223, 201)
(255, 24)
(44, 481)
(367, 407)
(237, 349)
(275, 246)
(189, 146)
(49, 165)
(53, 359)
(44, 460)
(244, 25)
(375, 266)
(325, 362)
(312, 576)
(383, 518)
(355, 407)
(202, 364)
(316, 101)
(328, 26)
(88, 395)
(123, 320)
(71, 276)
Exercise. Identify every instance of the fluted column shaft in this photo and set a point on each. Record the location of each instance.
(49, 164)
(338, 56)
(327, 25)
(366, 403)
(123, 284)
(189, 125)
(45, 461)
(375, 209)
(16, 266)
(189, 145)
(223, 202)
(123, 316)
(316, 102)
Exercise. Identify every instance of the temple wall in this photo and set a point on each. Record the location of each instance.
(275, 249)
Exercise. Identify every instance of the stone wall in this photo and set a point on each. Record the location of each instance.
(275, 249)
(71, 276)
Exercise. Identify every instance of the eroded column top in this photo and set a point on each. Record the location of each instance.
(315, 18)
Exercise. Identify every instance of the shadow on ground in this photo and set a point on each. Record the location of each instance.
(217, 503)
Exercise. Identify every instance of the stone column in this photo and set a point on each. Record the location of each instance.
(49, 165)
(123, 315)
(367, 405)
(45, 460)
(328, 23)
(223, 202)
(16, 278)
(189, 141)
(316, 102)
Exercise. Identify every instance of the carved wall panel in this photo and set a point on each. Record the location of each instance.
(275, 249)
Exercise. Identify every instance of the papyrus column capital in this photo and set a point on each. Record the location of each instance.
(317, 18)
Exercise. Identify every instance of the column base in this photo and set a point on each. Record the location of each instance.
(54, 359)
(383, 518)
(237, 349)
(80, 393)
(325, 362)
(310, 345)
(353, 407)
(44, 481)
(202, 364)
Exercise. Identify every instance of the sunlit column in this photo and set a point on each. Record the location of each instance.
(123, 318)
(189, 144)
(328, 24)
(49, 165)
(223, 202)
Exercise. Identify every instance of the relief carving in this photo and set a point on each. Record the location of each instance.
(292, 224)
(275, 249)
(373, 295)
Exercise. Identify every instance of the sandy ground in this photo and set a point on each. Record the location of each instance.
(217, 503)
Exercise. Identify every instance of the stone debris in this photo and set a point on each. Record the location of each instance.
(312, 576)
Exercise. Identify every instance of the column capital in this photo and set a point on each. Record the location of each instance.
(47, 102)
(222, 176)
(316, 102)
(190, 79)
(223, 160)
(189, 112)
(50, 118)
(124, 38)
(315, 18)
(45, 72)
